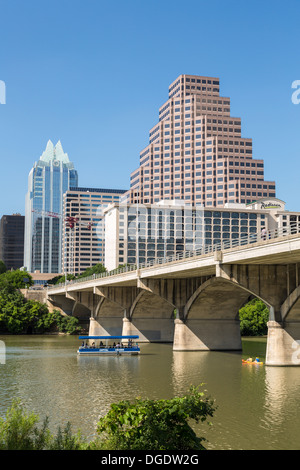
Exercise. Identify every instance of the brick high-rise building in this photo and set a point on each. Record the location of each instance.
(196, 152)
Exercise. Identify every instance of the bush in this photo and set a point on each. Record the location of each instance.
(155, 424)
(66, 324)
(20, 431)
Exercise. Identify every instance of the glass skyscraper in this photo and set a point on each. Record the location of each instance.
(48, 180)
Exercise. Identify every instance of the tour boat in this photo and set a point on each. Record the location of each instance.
(113, 346)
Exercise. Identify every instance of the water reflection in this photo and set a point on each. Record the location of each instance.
(258, 406)
(282, 386)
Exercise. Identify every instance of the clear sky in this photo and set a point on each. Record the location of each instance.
(93, 74)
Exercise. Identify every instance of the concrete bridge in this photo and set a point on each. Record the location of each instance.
(193, 300)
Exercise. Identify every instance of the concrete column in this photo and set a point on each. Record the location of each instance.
(96, 329)
(282, 348)
(153, 330)
(204, 335)
(130, 329)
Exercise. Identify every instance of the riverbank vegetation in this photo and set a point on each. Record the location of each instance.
(138, 425)
(19, 315)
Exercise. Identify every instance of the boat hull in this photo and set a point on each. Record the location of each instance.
(108, 352)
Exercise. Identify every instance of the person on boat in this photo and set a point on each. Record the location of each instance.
(257, 359)
(93, 345)
(249, 359)
(101, 344)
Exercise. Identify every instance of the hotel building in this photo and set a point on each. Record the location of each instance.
(172, 227)
(83, 229)
(196, 152)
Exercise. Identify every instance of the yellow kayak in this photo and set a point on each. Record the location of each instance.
(251, 362)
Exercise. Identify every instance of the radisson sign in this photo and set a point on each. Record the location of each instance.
(270, 205)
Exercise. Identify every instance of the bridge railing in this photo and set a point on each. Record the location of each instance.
(204, 250)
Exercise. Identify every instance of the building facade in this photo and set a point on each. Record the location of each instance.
(48, 180)
(196, 152)
(84, 229)
(12, 240)
(138, 233)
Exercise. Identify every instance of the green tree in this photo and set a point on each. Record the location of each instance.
(253, 318)
(18, 315)
(155, 424)
(61, 279)
(96, 269)
(17, 279)
(2, 267)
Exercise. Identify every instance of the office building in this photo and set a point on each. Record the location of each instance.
(196, 152)
(48, 180)
(83, 230)
(12, 240)
(171, 227)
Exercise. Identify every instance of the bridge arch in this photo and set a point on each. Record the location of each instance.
(151, 304)
(80, 311)
(218, 298)
(152, 317)
(290, 309)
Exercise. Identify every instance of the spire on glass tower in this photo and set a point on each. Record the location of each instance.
(56, 152)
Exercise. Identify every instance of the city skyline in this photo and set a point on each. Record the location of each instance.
(100, 91)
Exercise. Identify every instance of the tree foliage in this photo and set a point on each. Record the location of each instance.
(16, 279)
(96, 269)
(61, 279)
(2, 267)
(66, 324)
(253, 318)
(20, 430)
(155, 424)
(18, 315)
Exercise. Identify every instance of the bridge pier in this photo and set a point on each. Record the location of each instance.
(105, 326)
(282, 347)
(207, 335)
(158, 330)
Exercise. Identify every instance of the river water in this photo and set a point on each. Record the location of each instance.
(258, 407)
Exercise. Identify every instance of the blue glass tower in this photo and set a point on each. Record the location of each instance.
(48, 180)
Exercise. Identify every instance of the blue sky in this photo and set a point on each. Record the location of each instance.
(93, 74)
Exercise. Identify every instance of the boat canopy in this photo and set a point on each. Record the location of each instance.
(109, 337)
